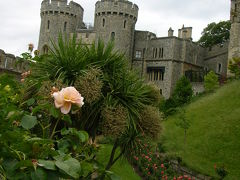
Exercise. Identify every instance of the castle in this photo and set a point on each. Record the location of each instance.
(162, 60)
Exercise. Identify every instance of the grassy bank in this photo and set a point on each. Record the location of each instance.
(214, 134)
(121, 168)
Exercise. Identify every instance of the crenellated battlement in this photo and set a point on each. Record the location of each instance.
(61, 7)
(116, 7)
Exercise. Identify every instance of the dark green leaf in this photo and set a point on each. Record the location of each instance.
(39, 174)
(83, 136)
(28, 121)
(30, 102)
(67, 119)
(47, 164)
(70, 166)
(54, 112)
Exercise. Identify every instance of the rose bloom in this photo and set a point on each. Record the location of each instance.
(66, 97)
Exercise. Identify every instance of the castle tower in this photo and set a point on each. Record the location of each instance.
(57, 16)
(234, 44)
(115, 20)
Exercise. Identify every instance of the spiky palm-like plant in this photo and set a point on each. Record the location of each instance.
(120, 87)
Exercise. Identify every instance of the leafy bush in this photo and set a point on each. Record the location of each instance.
(211, 81)
(25, 154)
(221, 171)
(183, 91)
(234, 67)
(168, 106)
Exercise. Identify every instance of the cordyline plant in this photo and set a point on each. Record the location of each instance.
(117, 102)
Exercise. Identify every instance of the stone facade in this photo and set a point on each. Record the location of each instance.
(161, 60)
(11, 64)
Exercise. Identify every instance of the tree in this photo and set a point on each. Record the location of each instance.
(183, 123)
(215, 33)
(234, 67)
(211, 81)
(183, 91)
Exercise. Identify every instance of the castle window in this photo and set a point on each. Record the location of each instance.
(87, 35)
(219, 68)
(138, 54)
(124, 24)
(103, 22)
(112, 36)
(5, 64)
(45, 49)
(161, 91)
(155, 73)
(155, 52)
(48, 24)
(65, 26)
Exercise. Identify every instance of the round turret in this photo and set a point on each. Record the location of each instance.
(115, 20)
(57, 16)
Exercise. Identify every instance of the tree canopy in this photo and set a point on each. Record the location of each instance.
(215, 33)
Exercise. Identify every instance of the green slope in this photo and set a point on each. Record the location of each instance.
(121, 168)
(214, 135)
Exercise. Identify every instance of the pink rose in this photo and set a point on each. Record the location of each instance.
(66, 97)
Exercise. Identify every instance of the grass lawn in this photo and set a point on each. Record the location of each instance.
(121, 168)
(214, 134)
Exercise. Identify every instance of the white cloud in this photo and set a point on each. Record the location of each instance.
(20, 19)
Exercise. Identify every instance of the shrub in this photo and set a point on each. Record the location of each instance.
(183, 91)
(234, 67)
(211, 81)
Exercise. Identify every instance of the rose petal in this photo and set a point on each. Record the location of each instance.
(59, 101)
(80, 102)
(70, 94)
(65, 109)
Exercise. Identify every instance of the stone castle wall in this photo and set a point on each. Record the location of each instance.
(216, 55)
(11, 64)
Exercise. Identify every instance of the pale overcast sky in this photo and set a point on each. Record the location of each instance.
(20, 19)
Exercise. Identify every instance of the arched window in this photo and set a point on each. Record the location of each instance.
(124, 24)
(103, 22)
(65, 26)
(112, 36)
(48, 24)
(45, 49)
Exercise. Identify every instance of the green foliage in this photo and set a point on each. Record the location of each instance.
(234, 67)
(27, 154)
(168, 106)
(221, 171)
(183, 91)
(215, 33)
(28, 122)
(211, 81)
